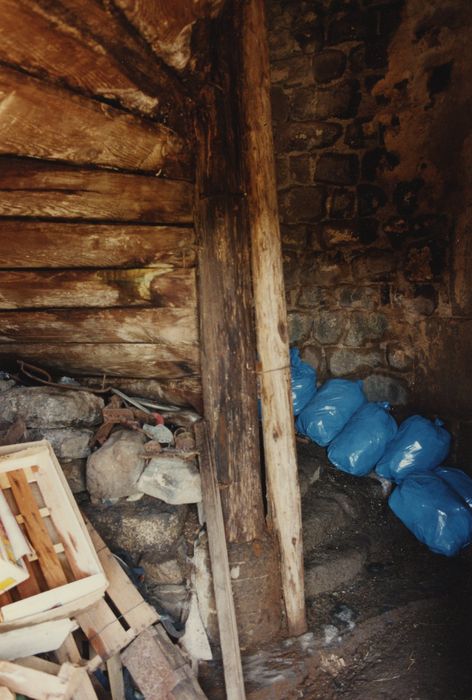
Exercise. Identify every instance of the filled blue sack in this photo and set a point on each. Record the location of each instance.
(458, 481)
(303, 381)
(434, 513)
(363, 440)
(419, 446)
(330, 409)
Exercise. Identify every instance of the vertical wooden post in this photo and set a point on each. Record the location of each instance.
(271, 314)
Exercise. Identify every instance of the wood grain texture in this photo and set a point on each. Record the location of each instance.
(100, 23)
(36, 189)
(171, 327)
(157, 286)
(183, 391)
(271, 313)
(48, 49)
(227, 333)
(41, 121)
(39, 244)
(113, 360)
(167, 24)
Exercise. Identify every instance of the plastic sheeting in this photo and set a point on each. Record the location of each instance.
(303, 381)
(419, 446)
(362, 442)
(434, 512)
(457, 480)
(330, 409)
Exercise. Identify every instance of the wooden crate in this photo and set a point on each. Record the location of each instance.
(66, 574)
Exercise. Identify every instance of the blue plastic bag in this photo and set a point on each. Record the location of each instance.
(330, 409)
(458, 481)
(419, 446)
(434, 513)
(303, 381)
(363, 440)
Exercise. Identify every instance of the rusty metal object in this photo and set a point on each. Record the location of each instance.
(184, 440)
(34, 373)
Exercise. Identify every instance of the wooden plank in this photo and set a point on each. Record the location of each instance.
(6, 694)
(127, 599)
(39, 685)
(45, 190)
(35, 639)
(100, 23)
(41, 121)
(271, 312)
(36, 530)
(229, 640)
(85, 690)
(170, 327)
(104, 631)
(157, 286)
(40, 244)
(39, 46)
(114, 360)
(115, 678)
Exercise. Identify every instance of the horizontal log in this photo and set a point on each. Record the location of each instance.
(97, 288)
(185, 391)
(171, 327)
(42, 121)
(100, 24)
(40, 244)
(39, 46)
(114, 360)
(34, 189)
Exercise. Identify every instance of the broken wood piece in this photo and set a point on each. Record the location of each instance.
(39, 685)
(85, 690)
(229, 638)
(34, 639)
(6, 694)
(159, 669)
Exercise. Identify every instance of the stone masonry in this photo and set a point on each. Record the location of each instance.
(367, 227)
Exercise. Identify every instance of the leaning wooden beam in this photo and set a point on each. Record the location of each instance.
(229, 640)
(271, 314)
(41, 121)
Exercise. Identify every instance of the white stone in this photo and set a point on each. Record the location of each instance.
(114, 469)
(173, 480)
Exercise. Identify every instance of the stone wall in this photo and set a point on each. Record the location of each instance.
(371, 109)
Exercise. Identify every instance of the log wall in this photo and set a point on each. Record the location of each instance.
(97, 264)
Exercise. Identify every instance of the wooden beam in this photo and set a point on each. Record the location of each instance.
(159, 286)
(271, 314)
(174, 328)
(41, 121)
(50, 50)
(103, 25)
(226, 326)
(213, 514)
(41, 244)
(113, 360)
(30, 188)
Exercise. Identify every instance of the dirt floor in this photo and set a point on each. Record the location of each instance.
(398, 626)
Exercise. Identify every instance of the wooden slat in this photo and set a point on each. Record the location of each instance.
(227, 626)
(85, 689)
(115, 678)
(41, 121)
(39, 244)
(36, 530)
(37, 45)
(157, 286)
(114, 360)
(39, 685)
(45, 190)
(171, 327)
(100, 23)
(104, 631)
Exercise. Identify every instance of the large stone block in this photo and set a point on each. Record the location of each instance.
(328, 327)
(67, 443)
(114, 469)
(47, 407)
(337, 168)
(379, 387)
(365, 327)
(340, 101)
(366, 298)
(328, 65)
(373, 265)
(307, 136)
(357, 232)
(370, 198)
(345, 361)
(299, 326)
(302, 204)
(342, 204)
(348, 26)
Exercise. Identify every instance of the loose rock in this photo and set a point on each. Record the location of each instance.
(173, 480)
(114, 469)
(46, 407)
